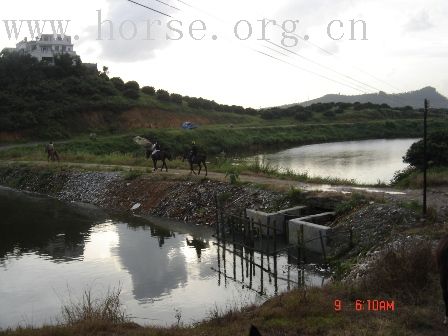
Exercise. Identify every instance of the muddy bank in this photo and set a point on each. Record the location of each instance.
(191, 200)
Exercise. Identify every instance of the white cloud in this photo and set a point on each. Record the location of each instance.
(420, 22)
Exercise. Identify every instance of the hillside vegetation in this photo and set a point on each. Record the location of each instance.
(43, 101)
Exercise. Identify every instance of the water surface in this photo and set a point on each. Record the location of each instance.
(366, 161)
(51, 251)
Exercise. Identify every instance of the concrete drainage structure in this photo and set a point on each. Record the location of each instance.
(312, 229)
(275, 219)
(292, 222)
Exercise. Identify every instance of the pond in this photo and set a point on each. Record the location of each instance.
(50, 252)
(366, 162)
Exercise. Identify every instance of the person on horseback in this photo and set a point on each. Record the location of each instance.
(155, 148)
(51, 152)
(193, 151)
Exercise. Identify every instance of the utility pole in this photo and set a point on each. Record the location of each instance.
(425, 156)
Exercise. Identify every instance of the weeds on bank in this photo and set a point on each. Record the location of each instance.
(107, 309)
(132, 174)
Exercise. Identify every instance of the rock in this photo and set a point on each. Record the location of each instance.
(136, 206)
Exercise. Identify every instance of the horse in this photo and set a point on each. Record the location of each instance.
(442, 263)
(160, 155)
(199, 159)
(52, 154)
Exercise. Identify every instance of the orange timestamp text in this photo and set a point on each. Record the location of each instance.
(372, 305)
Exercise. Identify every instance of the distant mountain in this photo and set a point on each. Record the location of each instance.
(412, 98)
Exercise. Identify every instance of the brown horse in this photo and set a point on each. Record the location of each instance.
(442, 263)
(52, 154)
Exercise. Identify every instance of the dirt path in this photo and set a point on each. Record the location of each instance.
(437, 197)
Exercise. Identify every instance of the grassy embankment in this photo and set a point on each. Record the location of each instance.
(121, 150)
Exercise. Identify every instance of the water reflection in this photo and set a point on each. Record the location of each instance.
(45, 226)
(54, 249)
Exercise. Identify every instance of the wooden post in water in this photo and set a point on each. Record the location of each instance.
(275, 237)
(219, 262)
(217, 214)
(242, 263)
(299, 248)
(275, 274)
(303, 244)
(234, 258)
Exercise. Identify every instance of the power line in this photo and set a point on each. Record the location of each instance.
(323, 66)
(166, 4)
(283, 61)
(152, 9)
(219, 19)
(306, 70)
(351, 65)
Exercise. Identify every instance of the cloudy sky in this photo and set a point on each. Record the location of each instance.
(240, 62)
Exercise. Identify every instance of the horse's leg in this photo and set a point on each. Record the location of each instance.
(191, 168)
(154, 162)
(205, 166)
(200, 168)
(164, 164)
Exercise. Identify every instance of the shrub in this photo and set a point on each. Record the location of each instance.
(234, 175)
(437, 151)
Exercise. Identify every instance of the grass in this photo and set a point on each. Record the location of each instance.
(219, 139)
(108, 309)
(413, 178)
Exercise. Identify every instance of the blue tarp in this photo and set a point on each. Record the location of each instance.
(188, 125)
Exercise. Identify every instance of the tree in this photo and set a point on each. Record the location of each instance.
(163, 95)
(132, 90)
(149, 90)
(176, 98)
(436, 148)
(118, 83)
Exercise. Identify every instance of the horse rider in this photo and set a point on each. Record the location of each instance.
(51, 151)
(193, 151)
(155, 148)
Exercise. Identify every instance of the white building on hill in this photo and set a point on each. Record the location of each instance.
(46, 47)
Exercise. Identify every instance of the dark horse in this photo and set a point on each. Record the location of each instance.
(442, 263)
(199, 159)
(161, 155)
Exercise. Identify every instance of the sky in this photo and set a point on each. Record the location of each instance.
(232, 52)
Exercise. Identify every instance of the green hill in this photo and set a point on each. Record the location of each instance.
(40, 100)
